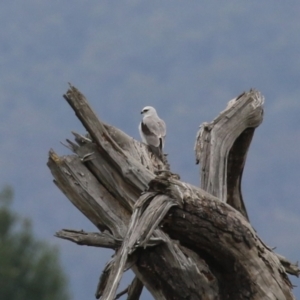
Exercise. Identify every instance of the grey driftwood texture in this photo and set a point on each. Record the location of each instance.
(181, 241)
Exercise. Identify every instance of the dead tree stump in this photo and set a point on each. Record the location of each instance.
(181, 241)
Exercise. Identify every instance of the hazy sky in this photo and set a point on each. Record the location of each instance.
(186, 58)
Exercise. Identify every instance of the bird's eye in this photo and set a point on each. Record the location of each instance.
(145, 110)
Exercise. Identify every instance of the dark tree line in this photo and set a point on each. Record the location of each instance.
(29, 268)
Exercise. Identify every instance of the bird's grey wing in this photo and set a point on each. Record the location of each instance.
(162, 127)
(156, 125)
(149, 131)
(160, 131)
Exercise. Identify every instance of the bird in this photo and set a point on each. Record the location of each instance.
(153, 130)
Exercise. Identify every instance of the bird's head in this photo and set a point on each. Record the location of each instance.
(148, 111)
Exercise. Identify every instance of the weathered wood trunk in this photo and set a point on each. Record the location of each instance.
(181, 241)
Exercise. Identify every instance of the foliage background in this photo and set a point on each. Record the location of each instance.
(30, 269)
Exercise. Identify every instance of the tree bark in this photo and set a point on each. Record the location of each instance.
(181, 241)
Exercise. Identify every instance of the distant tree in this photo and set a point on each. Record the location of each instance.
(29, 268)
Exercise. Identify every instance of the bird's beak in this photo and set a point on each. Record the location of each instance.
(142, 112)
